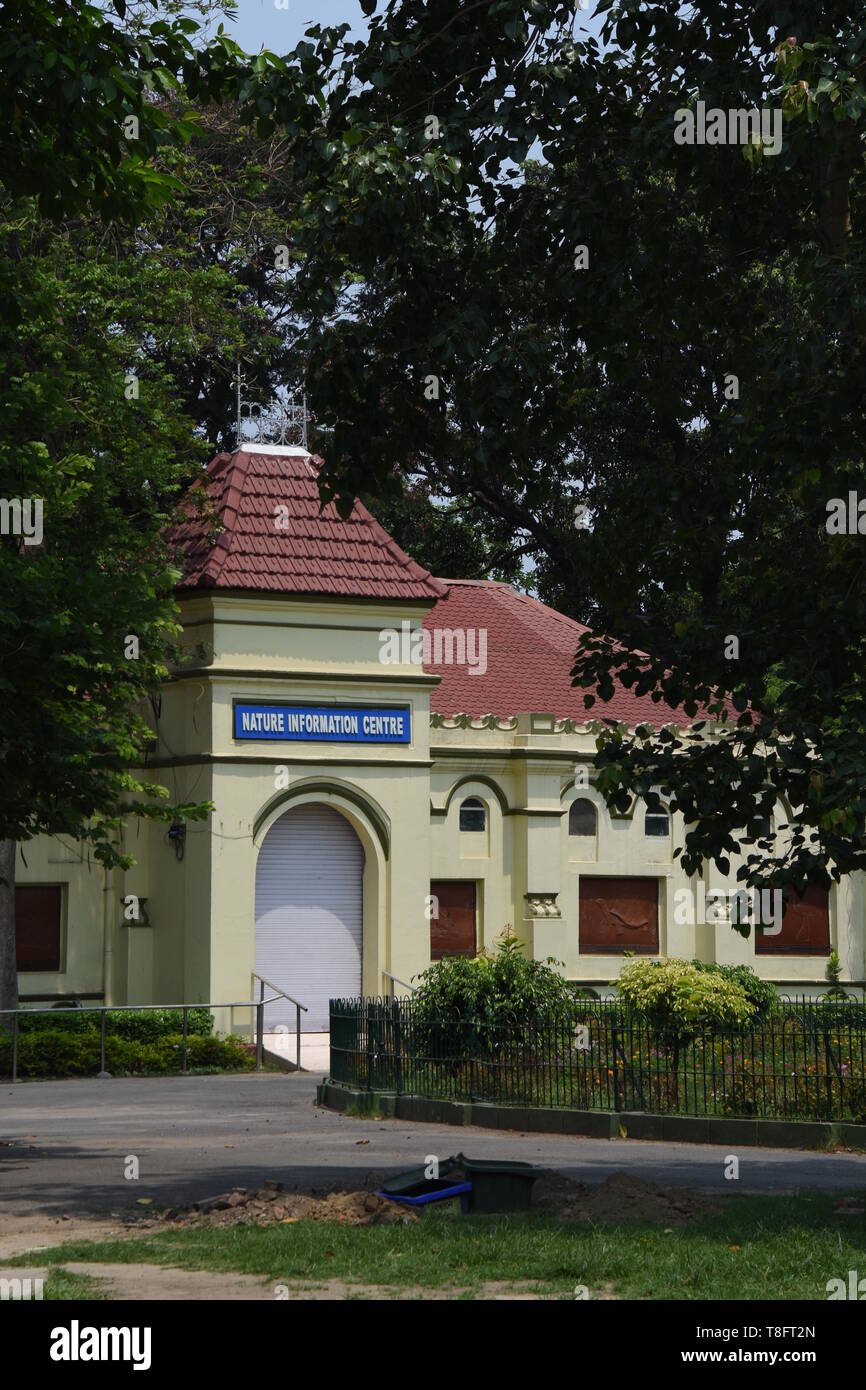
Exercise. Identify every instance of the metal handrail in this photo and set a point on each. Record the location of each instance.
(298, 1007)
(395, 980)
(270, 984)
(103, 1009)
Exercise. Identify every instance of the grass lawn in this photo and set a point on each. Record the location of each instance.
(61, 1286)
(757, 1248)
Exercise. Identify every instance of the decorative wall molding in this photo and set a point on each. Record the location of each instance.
(588, 726)
(504, 724)
(542, 905)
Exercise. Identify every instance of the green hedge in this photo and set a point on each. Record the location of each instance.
(145, 1026)
(57, 1052)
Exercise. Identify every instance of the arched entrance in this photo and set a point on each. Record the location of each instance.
(309, 913)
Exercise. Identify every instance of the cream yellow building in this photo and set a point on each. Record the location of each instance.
(380, 796)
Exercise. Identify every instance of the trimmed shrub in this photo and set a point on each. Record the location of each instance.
(489, 1001)
(59, 1052)
(145, 1026)
(492, 988)
(761, 993)
(678, 999)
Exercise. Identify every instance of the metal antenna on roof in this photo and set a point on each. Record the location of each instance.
(281, 421)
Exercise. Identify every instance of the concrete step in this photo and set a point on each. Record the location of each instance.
(315, 1049)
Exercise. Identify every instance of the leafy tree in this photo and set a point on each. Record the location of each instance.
(229, 225)
(95, 451)
(519, 284)
(454, 540)
(88, 104)
(80, 100)
(236, 214)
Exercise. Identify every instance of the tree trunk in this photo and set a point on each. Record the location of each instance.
(834, 192)
(8, 966)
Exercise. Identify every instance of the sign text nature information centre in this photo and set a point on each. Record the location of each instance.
(322, 723)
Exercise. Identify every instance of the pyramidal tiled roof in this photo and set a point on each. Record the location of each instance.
(268, 531)
(530, 650)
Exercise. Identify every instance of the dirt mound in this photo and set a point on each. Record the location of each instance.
(620, 1198)
(271, 1206)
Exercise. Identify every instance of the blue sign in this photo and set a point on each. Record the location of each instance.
(322, 723)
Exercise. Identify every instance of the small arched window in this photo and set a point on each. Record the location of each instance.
(473, 814)
(657, 824)
(763, 830)
(581, 817)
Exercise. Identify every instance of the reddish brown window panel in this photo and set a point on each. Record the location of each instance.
(453, 932)
(805, 927)
(618, 914)
(37, 927)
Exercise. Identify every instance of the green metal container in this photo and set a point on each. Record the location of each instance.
(405, 1184)
(498, 1185)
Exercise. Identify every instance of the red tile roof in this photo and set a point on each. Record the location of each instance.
(530, 647)
(314, 552)
(530, 653)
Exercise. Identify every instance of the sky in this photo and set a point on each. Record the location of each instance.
(260, 24)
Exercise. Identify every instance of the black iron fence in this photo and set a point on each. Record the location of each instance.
(808, 1061)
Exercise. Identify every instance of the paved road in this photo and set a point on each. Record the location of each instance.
(63, 1145)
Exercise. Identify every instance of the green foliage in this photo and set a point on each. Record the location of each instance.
(72, 76)
(76, 321)
(132, 1024)
(678, 999)
(499, 988)
(607, 386)
(455, 540)
(228, 174)
(761, 993)
(49, 1051)
(833, 976)
(486, 1004)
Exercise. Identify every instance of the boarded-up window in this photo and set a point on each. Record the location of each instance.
(618, 914)
(805, 927)
(581, 817)
(37, 926)
(452, 933)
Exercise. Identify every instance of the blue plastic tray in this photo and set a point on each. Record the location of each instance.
(440, 1194)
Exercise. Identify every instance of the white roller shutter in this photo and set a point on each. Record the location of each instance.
(309, 913)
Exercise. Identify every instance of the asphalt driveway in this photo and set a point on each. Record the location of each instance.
(65, 1145)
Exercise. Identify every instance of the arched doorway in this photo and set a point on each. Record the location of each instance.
(309, 915)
